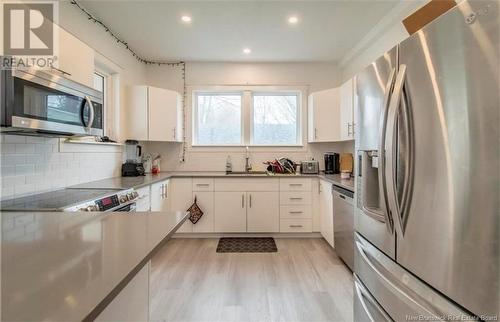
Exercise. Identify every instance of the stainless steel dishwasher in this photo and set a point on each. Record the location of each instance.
(343, 219)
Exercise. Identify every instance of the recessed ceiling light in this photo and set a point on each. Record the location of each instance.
(186, 18)
(293, 20)
(247, 51)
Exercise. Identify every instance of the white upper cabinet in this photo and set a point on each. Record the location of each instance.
(347, 111)
(75, 59)
(154, 114)
(323, 115)
(331, 114)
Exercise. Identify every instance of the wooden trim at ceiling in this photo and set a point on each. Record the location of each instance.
(427, 14)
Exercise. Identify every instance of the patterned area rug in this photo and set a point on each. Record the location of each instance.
(246, 245)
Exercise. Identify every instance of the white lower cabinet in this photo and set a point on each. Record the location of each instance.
(263, 212)
(144, 201)
(160, 196)
(181, 199)
(205, 200)
(230, 212)
(132, 303)
(326, 210)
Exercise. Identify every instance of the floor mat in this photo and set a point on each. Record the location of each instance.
(246, 245)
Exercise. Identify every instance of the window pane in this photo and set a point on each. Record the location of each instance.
(219, 119)
(275, 119)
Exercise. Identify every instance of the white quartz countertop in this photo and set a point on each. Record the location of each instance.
(137, 182)
(59, 266)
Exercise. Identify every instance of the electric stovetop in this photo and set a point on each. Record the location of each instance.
(54, 200)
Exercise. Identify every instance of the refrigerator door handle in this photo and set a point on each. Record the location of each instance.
(364, 296)
(381, 152)
(398, 211)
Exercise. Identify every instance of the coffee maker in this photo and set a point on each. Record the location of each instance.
(332, 163)
(133, 166)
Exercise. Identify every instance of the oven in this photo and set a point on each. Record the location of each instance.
(39, 103)
(131, 207)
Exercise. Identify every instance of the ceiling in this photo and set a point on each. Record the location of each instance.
(220, 30)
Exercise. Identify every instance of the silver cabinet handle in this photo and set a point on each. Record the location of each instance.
(296, 212)
(60, 71)
(295, 198)
(250, 200)
(161, 191)
(174, 134)
(202, 184)
(243, 201)
(295, 184)
(296, 226)
(315, 133)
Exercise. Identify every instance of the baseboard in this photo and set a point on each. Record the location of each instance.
(274, 235)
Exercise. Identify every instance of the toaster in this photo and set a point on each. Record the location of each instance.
(309, 167)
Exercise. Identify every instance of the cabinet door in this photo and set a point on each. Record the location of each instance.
(132, 303)
(164, 115)
(181, 199)
(324, 113)
(160, 196)
(76, 59)
(205, 201)
(137, 113)
(144, 201)
(263, 212)
(326, 211)
(230, 212)
(346, 111)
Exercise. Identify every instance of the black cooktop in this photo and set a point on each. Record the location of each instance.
(54, 200)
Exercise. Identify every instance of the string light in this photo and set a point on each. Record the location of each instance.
(147, 62)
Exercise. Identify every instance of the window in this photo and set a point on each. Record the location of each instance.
(247, 115)
(218, 119)
(275, 119)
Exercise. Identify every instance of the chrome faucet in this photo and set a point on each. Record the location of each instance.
(248, 166)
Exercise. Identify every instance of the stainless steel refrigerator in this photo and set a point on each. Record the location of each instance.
(427, 210)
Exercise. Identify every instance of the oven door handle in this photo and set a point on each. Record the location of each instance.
(87, 100)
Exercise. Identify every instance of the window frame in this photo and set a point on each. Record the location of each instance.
(298, 127)
(194, 139)
(247, 92)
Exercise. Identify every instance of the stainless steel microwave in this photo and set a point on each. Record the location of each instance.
(39, 103)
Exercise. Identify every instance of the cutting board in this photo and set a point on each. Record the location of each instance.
(346, 162)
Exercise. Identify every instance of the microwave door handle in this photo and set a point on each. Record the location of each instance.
(92, 113)
(381, 151)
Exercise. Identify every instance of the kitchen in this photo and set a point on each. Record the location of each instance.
(297, 161)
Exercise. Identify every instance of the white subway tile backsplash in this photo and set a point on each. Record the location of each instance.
(25, 148)
(14, 139)
(34, 164)
(25, 169)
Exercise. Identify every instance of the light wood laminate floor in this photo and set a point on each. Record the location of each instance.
(303, 281)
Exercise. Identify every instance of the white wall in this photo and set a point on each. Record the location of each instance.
(315, 76)
(386, 34)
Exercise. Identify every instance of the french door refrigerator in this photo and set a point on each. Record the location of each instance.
(427, 210)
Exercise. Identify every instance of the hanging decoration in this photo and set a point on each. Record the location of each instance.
(147, 62)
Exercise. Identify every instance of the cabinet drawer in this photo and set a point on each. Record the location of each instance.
(295, 198)
(292, 212)
(296, 225)
(297, 184)
(203, 184)
(247, 184)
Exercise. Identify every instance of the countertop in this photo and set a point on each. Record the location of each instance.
(137, 182)
(60, 266)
